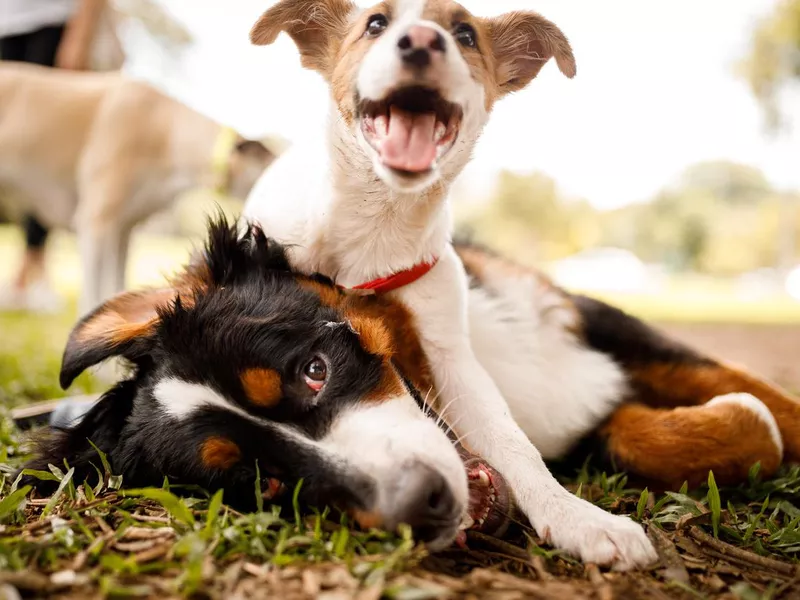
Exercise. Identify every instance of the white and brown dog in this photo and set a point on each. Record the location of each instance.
(100, 152)
(412, 84)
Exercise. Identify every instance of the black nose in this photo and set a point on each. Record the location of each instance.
(417, 53)
(426, 503)
(416, 57)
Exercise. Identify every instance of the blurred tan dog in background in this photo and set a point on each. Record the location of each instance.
(99, 153)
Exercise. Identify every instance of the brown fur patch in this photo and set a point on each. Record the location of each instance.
(348, 58)
(679, 384)
(128, 316)
(329, 296)
(373, 335)
(367, 519)
(219, 453)
(262, 386)
(671, 446)
(390, 385)
(316, 27)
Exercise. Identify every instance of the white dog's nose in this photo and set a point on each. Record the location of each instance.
(420, 45)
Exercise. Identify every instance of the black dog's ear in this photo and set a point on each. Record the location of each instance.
(122, 326)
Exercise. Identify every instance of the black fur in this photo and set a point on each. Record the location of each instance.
(251, 313)
(628, 340)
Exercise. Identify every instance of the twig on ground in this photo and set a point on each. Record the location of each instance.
(741, 554)
(668, 553)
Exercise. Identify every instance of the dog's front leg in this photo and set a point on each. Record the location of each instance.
(472, 403)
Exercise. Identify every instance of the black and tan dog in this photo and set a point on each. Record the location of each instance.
(243, 359)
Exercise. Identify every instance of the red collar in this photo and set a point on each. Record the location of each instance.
(391, 282)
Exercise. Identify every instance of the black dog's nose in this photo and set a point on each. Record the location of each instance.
(419, 44)
(425, 502)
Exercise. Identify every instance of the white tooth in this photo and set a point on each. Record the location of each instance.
(480, 521)
(381, 125)
(484, 477)
(467, 522)
(439, 132)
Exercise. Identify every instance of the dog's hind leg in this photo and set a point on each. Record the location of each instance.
(667, 446)
(664, 374)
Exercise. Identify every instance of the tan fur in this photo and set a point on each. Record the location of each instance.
(219, 453)
(262, 386)
(670, 385)
(99, 153)
(670, 446)
(124, 318)
(315, 27)
(374, 337)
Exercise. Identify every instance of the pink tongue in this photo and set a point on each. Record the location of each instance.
(409, 145)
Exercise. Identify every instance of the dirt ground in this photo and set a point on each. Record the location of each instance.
(771, 351)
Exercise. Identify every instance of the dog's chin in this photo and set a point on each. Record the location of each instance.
(408, 182)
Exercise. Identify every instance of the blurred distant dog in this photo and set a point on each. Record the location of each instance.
(99, 153)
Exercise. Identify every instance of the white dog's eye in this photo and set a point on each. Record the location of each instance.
(376, 25)
(315, 373)
(465, 35)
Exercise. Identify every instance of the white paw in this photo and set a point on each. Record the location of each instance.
(596, 536)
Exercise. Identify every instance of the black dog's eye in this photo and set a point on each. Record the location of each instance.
(465, 35)
(315, 373)
(376, 25)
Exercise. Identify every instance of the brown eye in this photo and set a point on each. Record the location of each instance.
(315, 374)
(376, 25)
(465, 35)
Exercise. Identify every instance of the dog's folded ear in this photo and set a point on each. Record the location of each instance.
(314, 25)
(122, 326)
(522, 42)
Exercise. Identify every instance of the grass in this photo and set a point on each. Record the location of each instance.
(97, 539)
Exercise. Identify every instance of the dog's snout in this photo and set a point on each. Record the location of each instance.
(418, 46)
(425, 501)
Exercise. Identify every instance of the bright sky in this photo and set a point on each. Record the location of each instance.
(655, 92)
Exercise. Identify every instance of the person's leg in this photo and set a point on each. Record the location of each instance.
(13, 47)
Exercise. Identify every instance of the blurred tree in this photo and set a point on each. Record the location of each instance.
(529, 218)
(773, 60)
(771, 66)
(718, 217)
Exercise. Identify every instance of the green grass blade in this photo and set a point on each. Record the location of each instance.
(714, 503)
(12, 503)
(174, 505)
(642, 504)
(51, 504)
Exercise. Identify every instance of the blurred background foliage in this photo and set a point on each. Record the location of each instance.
(717, 218)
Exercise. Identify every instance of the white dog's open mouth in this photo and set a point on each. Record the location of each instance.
(411, 128)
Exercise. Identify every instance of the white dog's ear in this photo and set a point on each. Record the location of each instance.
(522, 42)
(314, 25)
